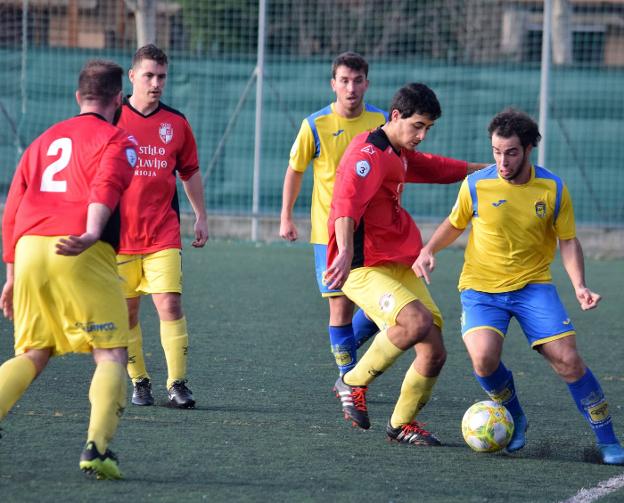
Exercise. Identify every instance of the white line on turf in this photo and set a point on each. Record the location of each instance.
(602, 489)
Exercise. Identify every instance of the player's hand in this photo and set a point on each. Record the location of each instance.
(288, 230)
(587, 299)
(338, 272)
(424, 265)
(201, 233)
(6, 300)
(75, 245)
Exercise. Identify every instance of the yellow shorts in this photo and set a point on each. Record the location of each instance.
(382, 291)
(69, 304)
(159, 272)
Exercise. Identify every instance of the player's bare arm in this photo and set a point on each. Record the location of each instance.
(443, 236)
(292, 186)
(6, 299)
(97, 217)
(195, 192)
(574, 264)
(338, 272)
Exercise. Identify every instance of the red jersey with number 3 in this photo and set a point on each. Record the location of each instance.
(369, 183)
(149, 208)
(76, 162)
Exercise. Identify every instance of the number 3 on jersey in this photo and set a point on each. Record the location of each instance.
(48, 184)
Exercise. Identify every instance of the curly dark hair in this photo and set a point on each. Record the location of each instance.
(511, 122)
(416, 98)
(151, 52)
(351, 60)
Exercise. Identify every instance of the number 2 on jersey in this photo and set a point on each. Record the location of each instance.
(48, 184)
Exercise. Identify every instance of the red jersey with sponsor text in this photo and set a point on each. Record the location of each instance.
(149, 209)
(76, 162)
(369, 183)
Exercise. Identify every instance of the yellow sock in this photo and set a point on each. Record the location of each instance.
(380, 355)
(16, 375)
(415, 393)
(174, 339)
(136, 361)
(108, 400)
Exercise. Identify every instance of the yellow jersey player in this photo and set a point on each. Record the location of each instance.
(322, 139)
(518, 212)
(60, 230)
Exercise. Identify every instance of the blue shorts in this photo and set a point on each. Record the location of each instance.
(537, 307)
(320, 261)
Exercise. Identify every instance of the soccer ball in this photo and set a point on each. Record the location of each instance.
(487, 426)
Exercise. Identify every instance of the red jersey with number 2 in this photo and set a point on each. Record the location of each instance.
(149, 209)
(369, 183)
(76, 162)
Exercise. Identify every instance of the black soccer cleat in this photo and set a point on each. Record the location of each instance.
(353, 401)
(102, 466)
(180, 396)
(412, 434)
(142, 393)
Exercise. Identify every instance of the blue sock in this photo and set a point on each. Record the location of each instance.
(363, 328)
(591, 402)
(500, 387)
(343, 347)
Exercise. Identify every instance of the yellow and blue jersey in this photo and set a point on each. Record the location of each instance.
(322, 139)
(515, 228)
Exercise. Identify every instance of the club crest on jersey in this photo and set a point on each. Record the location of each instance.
(362, 168)
(540, 209)
(131, 155)
(165, 131)
(387, 302)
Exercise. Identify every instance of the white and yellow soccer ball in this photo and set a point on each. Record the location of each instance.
(487, 426)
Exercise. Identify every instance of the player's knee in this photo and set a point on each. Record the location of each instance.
(39, 357)
(484, 364)
(569, 368)
(169, 306)
(418, 326)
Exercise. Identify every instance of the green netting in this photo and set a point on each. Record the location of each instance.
(460, 49)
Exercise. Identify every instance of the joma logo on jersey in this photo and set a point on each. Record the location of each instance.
(540, 209)
(165, 131)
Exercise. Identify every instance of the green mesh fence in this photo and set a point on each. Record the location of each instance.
(478, 55)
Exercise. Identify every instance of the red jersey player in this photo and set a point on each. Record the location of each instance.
(150, 253)
(60, 230)
(372, 244)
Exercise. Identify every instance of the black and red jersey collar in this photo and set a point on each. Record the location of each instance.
(379, 139)
(126, 101)
(94, 114)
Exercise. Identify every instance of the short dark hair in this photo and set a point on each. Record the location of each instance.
(151, 52)
(416, 98)
(511, 122)
(100, 80)
(351, 60)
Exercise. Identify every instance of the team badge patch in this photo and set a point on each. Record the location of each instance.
(540, 209)
(362, 168)
(131, 155)
(599, 412)
(387, 302)
(165, 131)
